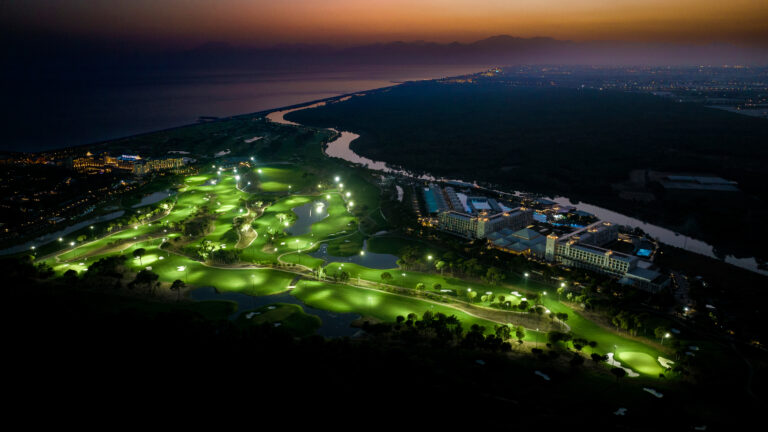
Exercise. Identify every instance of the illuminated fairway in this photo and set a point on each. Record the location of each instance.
(640, 362)
(377, 304)
(278, 179)
(224, 201)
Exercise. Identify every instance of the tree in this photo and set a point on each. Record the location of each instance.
(386, 277)
(562, 316)
(145, 277)
(471, 295)
(503, 332)
(597, 358)
(437, 287)
(520, 333)
(177, 286)
(420, 286)
(560, 292)
(493, 275)
(81, 238)
(440, 265)
(343, 276)
(577, 360)
(138, 253)
(618, 372)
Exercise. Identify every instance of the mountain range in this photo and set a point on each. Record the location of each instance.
(73, 55)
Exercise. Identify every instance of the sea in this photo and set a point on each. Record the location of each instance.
(61, 112)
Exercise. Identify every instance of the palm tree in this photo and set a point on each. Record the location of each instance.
(440, 265)
(177, 286)
(138, 253)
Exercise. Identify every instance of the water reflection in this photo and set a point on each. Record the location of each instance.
(366, 259)
(333, 324)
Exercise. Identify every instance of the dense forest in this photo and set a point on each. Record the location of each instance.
(580, 143)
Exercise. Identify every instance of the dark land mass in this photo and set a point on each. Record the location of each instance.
(581, 143)
(120, 351)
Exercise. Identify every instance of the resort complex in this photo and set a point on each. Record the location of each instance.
(540, 234)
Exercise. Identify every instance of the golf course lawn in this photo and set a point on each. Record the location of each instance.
(378, 304)
(607, 341)
(289, 316)
(218, 191)
(640, 362)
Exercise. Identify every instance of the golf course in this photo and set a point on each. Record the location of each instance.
(250, 227)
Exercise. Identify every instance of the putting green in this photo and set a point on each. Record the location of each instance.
(640, 362)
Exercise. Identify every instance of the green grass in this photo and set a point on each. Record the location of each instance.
(339, 230)
(377, 304)
(640, 362)
(290, 317)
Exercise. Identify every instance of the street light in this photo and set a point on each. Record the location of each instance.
(184, 269)
(666, 336)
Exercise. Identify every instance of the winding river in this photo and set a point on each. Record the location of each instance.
(340, 148)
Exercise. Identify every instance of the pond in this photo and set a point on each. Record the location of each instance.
(153, 198)
(61, 233)
(308, 214)
(367, 259)
(333, 324)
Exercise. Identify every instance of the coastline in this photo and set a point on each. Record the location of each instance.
(262, 113)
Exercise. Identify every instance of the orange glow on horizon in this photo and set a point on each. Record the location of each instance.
(365, 21)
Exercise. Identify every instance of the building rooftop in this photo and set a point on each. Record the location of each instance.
(526, 234)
